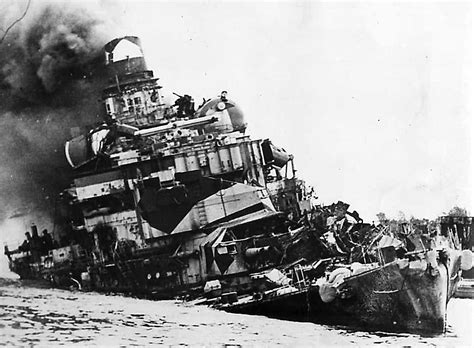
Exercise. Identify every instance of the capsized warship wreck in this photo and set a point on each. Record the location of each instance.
(175, 201)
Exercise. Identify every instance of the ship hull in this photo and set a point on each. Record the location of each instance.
(403, 295)
(400, 296)
(393, 298)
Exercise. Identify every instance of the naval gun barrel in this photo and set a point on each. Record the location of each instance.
(201, 121)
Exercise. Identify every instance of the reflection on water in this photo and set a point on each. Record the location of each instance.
(50, 317)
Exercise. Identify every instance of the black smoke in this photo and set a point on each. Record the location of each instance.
(50, 81)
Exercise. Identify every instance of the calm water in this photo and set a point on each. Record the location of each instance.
(49, 317)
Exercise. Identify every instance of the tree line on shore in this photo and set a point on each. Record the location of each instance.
(401, 217)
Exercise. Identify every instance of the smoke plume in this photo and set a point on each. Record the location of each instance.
(50, 82)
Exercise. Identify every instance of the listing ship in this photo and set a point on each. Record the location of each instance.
(174, 200)
(165, 197)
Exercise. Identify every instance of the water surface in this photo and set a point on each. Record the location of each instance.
(31, 316)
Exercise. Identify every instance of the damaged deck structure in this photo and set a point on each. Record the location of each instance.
(177, 200)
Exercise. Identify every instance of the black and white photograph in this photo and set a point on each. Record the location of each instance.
(236, 173)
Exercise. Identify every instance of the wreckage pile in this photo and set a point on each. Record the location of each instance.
(396, 277)
(344, 234)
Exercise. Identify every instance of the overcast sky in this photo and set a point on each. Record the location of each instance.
(374, 100)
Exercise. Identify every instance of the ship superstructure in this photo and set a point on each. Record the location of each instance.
(180, 169)
(166, 196)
